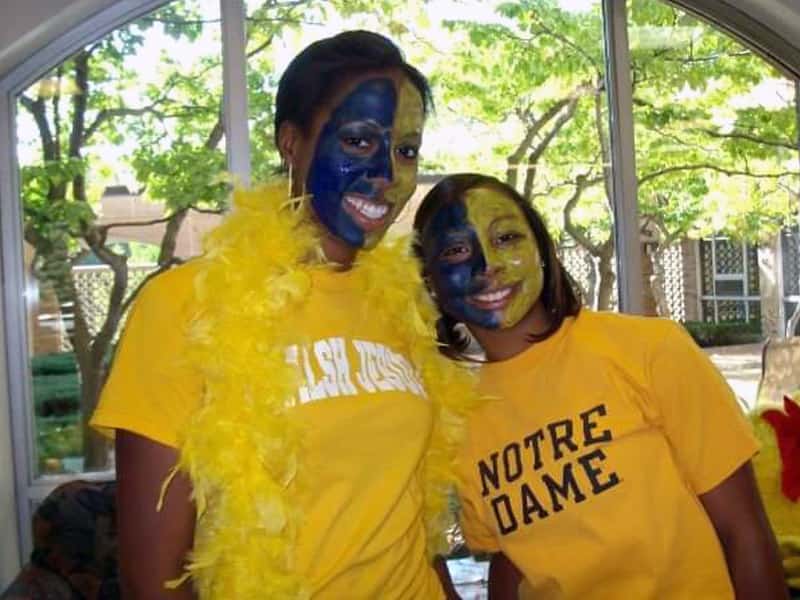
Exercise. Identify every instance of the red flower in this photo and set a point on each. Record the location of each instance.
(787, 432)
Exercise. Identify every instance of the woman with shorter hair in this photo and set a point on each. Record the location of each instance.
(614, 461)
(287, 373)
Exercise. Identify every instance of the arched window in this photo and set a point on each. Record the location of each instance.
(635, 127)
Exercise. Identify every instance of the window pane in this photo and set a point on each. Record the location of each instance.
(716, 154)
(708, 311)
(789, 308)
(753, 275)
(729, 257)
(790, 249)
(755, 311)
(707, 266)
(729, 287)
(119, 147)
(730, 310)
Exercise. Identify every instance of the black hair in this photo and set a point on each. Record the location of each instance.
(559, 296)
(316, 73)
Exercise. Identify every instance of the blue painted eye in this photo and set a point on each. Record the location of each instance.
(456, 253)
(358, 145)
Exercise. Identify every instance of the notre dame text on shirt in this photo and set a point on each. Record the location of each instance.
(559, 464)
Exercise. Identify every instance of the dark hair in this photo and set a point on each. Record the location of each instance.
(559, 295)
(315, 74)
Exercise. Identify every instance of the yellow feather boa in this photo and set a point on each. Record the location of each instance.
(243, 448)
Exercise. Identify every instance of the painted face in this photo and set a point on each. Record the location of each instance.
(364, 167)
(483, 259)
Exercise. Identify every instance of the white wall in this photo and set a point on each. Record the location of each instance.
(782, 16)
(27, 25)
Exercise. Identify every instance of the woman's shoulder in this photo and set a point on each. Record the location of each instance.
(626, 336)
(171, 290)
(633, 327)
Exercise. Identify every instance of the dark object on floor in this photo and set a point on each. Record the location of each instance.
(74, 546)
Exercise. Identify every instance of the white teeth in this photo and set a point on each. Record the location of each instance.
(370, 210)
(493, 296)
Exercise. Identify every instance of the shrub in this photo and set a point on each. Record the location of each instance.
(726, 333)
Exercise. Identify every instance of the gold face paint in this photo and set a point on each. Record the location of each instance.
(513, 263)
(406, 138)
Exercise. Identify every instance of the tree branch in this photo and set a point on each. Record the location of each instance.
(107, 226)
(711, 167)
(536, 154)
(515, 158)
(132, 296)
(709, 58)
(738, 135)
(111, 113)
(582, 183)
(207, 211)
(39, 113)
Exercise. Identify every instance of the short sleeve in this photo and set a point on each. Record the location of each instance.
(472, 509)
(152, 390)
(701, 416)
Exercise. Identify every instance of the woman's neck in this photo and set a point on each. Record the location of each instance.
(502, 344)
(338, 252)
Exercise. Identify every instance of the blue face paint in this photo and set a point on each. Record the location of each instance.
(456, 279)
(353, 158)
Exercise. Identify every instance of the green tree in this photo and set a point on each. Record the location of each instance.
(706, 159)
(715, 135)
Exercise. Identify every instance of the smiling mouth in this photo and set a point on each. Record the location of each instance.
(496, 299)
(367, 213)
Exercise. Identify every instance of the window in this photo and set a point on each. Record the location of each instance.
(730, 280)
(716, 165)
(122, 153)
(790, 261)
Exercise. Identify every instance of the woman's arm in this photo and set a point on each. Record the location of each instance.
(504, 578)
(152, 544)
(735, 509)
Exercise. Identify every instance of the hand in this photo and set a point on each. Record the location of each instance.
(789, 546)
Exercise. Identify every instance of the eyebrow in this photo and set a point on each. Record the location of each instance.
(370, 123)
(503, 218)
(451, 235)
(415, 135)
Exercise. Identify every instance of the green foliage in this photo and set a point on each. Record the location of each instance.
(56, 385)
(56, 394)
(715, 124)
(183, 175)
(54, 363)
(724, 334)
(51, 217)
(58, 437)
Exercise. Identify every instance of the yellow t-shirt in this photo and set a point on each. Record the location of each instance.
(586, 469)
(368, 422)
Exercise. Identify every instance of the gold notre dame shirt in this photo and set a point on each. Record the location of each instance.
(586, 469)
